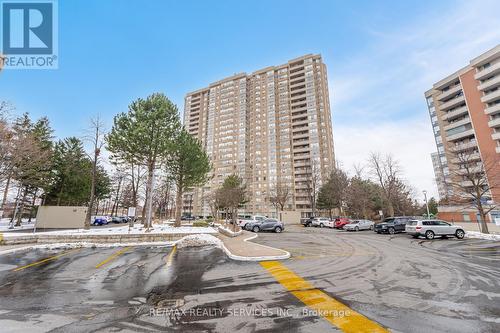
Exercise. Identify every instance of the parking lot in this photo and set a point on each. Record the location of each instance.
(362, 280)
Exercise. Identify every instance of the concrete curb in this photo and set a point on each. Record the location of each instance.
(262, 258)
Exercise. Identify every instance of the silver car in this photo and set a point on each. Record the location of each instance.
(358, 225)
(433, 228)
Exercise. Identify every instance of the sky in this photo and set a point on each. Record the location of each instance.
(381, 56)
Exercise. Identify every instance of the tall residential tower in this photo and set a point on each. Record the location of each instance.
(270, 127)
(465, 113)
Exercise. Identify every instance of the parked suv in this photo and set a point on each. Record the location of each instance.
(392, 225)
(432, 228)
(265, 225)
(340, 222)
(321, 222)
(306, 221)
(244, 219)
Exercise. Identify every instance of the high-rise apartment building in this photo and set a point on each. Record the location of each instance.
(465, 114)
(270, 127)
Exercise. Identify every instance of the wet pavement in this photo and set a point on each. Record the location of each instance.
(402, 284)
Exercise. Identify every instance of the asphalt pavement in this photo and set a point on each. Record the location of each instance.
(364, 281)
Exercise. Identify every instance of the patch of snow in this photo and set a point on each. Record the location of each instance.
(480, 235)
(199, 240)
(124, 230)
(5, 224)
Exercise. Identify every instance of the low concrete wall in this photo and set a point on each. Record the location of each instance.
(132, 238)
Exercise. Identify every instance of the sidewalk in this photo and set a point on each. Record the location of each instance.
(241, 248)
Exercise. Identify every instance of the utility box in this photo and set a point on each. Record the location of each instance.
(60, 217)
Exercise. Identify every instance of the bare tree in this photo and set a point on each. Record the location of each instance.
(313, 183)
(96, 137)
(472, 182)
(279, 196)
(386, 172)
(213, 201)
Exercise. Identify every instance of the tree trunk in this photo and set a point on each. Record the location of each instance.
(149, 196)
(390, 209)
(5, 191)
(482, 214)
(178, 205)
(21, 207)
(32, 205)
(92, 190)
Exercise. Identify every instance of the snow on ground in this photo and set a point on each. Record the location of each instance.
(138, 229)
(480, 235)
(199, 240)
(5, 224)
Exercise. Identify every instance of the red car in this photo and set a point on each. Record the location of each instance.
(340, 222)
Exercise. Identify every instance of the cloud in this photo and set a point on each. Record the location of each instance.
(378, 96)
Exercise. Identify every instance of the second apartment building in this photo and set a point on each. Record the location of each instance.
(270, 127)
(465, 114)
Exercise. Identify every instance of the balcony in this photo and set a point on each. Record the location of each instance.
(491, 96)
(457, 123)
(493, 69)
(460, 135)
(491, 83)
(466, 183)
(492, 109)
(497, 149)
(467, 158)
(494, 123)
(455, 113)
(464, 146)
(496, 136)
(471, 170)
(451, 103)
(449, 92)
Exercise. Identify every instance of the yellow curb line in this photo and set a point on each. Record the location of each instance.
(322, 304)
(113, 256)
(170, 257)
(44, 260)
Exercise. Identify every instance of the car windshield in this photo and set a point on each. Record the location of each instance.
(412, 222)
(355, 222)
(389, 220)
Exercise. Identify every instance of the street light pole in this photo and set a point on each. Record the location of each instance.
(426, 204)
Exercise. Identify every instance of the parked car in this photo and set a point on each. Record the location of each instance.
(100, 220)
(358, 225)
(265, 225)
(340, 222)
(119, 219)
(392, 225)
(322, 222)
(306, 221)
(244, 219)
(188, 218)
(433, 228)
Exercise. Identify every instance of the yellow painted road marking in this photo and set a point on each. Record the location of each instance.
(320, 302)
(170, 257)
(113, 256)
(1, 237)
(45, 260)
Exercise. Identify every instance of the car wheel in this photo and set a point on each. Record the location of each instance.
(321, 225)
(277, 229)
(392, 231)
(255, 229)
(459, 234)
(378, 232)
(429, 234)
(356, 229)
